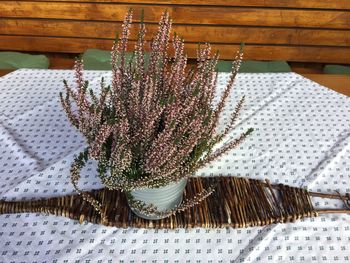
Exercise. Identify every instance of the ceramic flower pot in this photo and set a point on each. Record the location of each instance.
(164, 198)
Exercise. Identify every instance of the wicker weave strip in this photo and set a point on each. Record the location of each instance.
(237, 202)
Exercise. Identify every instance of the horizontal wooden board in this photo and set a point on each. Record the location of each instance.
(191, 33)
(259, 52)
(306, 67)
(180, 14)
(61, 60)
(319, 4)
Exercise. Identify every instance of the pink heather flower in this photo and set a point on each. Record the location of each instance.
(156, 123)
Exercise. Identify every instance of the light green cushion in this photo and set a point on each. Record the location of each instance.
(16, 60)
(337, 69)
(250, 66)
(224, 66)
(96, 59)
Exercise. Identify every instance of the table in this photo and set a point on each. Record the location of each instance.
(339, 83)
(301, 138)
(5, 71)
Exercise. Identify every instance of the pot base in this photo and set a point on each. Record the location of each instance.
(163, 198)
(150, 217)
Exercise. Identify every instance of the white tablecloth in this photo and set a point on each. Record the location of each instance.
(301, 138)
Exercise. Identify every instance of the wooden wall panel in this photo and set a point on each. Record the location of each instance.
(191, 33)
(315, 4)
(292, 30)
(180, 14)
(259, 52)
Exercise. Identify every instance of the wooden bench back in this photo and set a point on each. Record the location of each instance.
(292, 30)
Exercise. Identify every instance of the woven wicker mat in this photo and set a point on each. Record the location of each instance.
(236, 202)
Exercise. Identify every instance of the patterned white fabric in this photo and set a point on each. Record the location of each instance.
(301, 138)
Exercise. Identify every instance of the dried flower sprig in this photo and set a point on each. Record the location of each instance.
(156, 123)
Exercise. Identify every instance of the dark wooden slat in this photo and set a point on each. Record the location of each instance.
(191, 33)
(61, 61)
(180, 14)
(317, 4)
(306, 68)
(259, 52)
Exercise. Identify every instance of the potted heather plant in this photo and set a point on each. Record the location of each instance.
(154, 125)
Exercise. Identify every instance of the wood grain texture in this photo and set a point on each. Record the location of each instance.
(258, 52)
(191, 33)
(316, 4)
(293, 30)
(179, 14)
